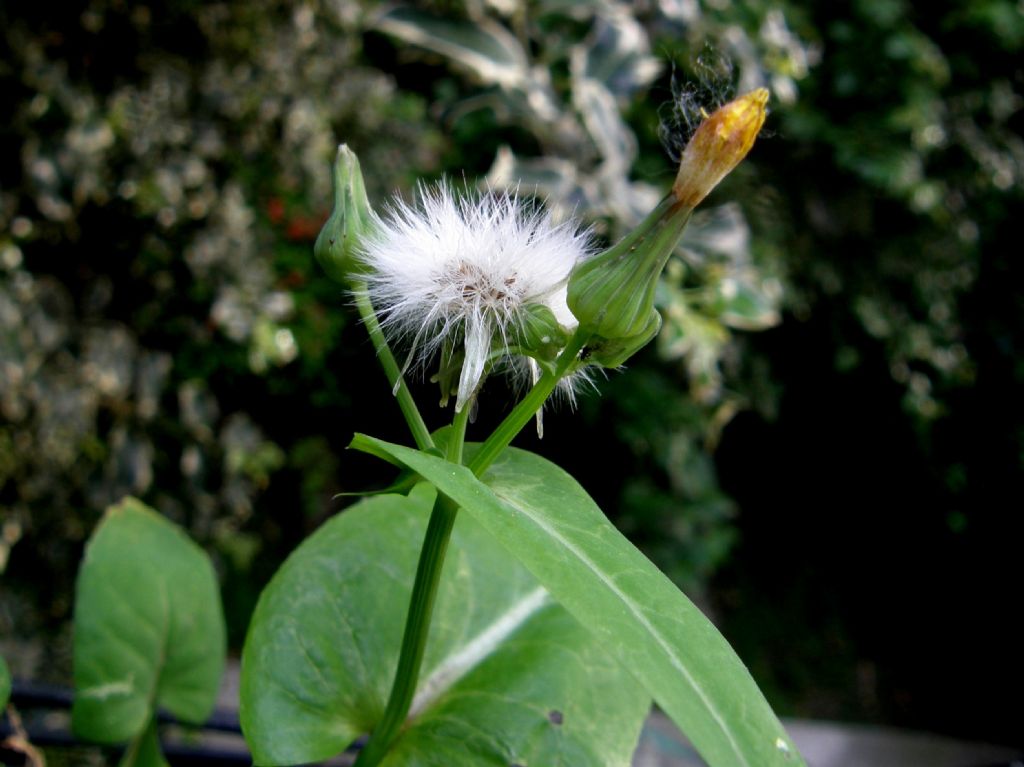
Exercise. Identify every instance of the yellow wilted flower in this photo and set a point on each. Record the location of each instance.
(718, 146)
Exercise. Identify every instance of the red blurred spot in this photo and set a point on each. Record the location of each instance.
(275, 210)
(304, 228)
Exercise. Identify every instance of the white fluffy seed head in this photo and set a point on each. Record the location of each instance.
(459, 271)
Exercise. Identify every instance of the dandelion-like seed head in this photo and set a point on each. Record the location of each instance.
(455, 274)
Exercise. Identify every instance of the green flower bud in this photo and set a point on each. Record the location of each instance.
(613, 352)
(538, 334)
(612, 294)
(350, 219)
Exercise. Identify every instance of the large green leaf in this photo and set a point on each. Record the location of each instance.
(551, 525)
(508, 677)
(149, 628)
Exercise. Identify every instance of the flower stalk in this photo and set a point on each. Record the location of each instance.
(406, 403)
(421, 609)
(528, 406)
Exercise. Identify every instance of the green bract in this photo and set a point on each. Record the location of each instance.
(351, 218)
(539, 334)
(612, 294)
(613, 352)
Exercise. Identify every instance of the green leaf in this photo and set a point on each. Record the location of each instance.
(542, 515)
(5, 684)
(508, 676)
(149, 628)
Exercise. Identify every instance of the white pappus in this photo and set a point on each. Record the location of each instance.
(453, 270)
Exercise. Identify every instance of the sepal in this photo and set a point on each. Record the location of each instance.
(613, 353)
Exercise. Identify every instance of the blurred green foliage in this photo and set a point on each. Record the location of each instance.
(165, 332)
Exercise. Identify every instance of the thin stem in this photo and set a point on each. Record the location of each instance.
(420, 432)
(458, 433)
(528, 405)
(421, 607)
(417, 625)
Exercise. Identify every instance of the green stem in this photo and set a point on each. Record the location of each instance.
(421, 607)
(528, 405)
(420, 432)
(458, 434)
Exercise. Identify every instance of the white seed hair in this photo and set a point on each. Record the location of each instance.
(460, 269)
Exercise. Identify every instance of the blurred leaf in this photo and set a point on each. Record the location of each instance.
(149, 630)
(617, 53)
(1000, 18)
(614, 140)
(581, 9)
(508, 677)
(549, 175)
(541, 515)
(691, 336)
(5, 684)
(717, 233)
(484, 47)
(740, 303)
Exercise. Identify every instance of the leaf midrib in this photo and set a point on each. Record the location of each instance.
(471, 653)
(643, 620)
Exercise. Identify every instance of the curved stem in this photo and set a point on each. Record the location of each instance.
(420, 432)
(421, 607)
(528, 405)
